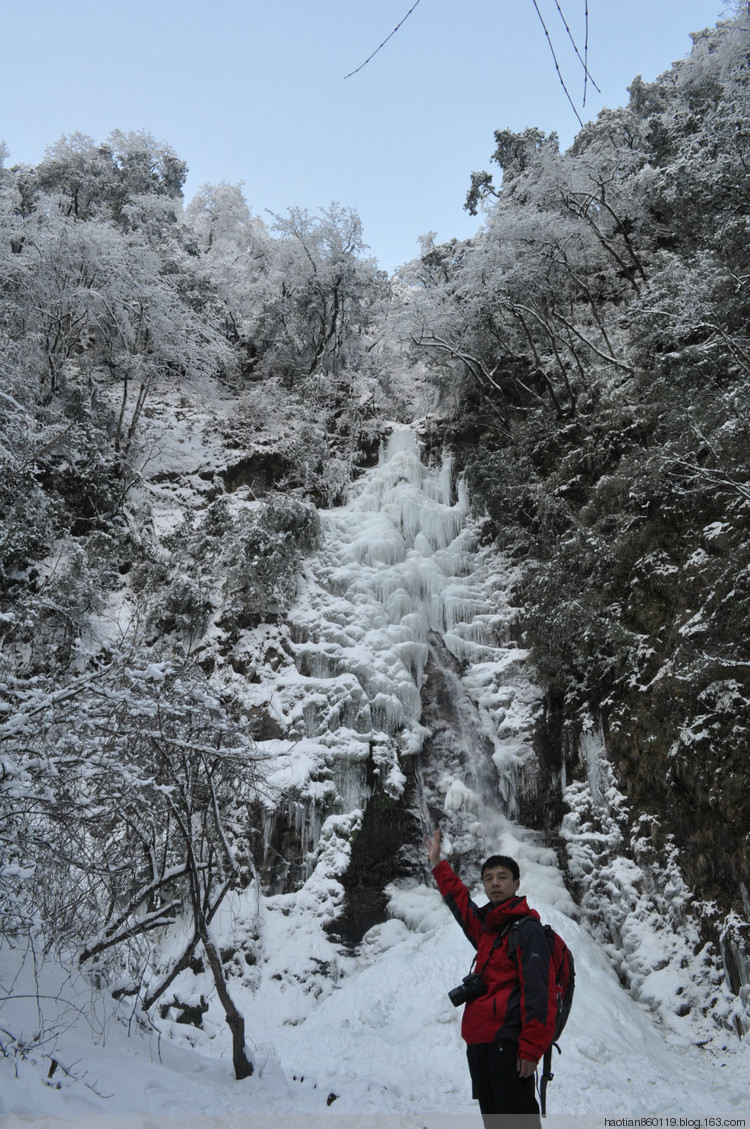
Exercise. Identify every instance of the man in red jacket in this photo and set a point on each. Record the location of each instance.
(509, 1026)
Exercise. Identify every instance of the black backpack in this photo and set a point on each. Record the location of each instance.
(564, 970)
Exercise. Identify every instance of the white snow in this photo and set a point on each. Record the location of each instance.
(380, 1034)
(344, 1037)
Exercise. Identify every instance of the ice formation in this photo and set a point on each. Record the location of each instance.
(399, 587)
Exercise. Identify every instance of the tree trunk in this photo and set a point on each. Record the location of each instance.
(243, 1068)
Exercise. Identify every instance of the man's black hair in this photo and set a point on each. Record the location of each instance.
(503, 860)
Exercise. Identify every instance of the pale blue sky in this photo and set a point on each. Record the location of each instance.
(253, 90)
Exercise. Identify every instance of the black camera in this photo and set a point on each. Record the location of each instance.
(470, 988)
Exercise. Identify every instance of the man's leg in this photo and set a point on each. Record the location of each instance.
(505, 1100)
(512, 1094)
(481, 1083)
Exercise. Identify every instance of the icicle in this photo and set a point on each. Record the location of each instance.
(414, 657)
(405, 512)
(423, 545)
(463, 496)
(592, 753)
(398, 605)
(388, 551)
(446, 482)
(459, 608)
(745, 899)
(440, 524)
(465, 650)
(314, 662)
(408, 694)
(417, 625)
(350, 778)
(310, 716)
(387, 713)
(475, 632)
(268, 823)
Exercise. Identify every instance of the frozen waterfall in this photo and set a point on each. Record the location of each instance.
(400, 639)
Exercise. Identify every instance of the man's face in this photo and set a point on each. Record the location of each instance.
(499, 884)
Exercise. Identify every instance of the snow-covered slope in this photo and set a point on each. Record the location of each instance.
(367, 1035)
(384, 1039)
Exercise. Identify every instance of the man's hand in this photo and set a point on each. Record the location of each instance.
(432, 843)
(526, 1067)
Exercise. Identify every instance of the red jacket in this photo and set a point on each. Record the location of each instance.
(520, 1003)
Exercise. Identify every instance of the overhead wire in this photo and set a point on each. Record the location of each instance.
(372, 56)
(582, 59)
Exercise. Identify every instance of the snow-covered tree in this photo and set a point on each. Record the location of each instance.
(124, 795)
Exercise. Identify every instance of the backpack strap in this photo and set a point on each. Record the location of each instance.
(504, 932)
(546, 1077)
(512, 934)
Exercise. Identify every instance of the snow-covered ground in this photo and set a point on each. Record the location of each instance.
(343, 1037)
(383, 1038)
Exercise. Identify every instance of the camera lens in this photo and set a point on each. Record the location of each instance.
(457, 996)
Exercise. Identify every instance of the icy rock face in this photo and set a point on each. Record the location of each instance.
(635, 902)
(400, 695)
